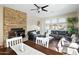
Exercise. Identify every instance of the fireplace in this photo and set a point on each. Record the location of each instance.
(16, 32)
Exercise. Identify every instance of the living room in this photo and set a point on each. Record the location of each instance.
(56, 21)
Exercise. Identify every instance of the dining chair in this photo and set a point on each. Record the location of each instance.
(72, 49)
(43, 41)
(62, 45)
(13, 41)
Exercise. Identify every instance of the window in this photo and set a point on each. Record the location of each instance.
(56, 24)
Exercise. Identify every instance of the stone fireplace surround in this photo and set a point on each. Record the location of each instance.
(11, 18)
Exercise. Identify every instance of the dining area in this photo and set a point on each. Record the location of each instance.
(15, 46)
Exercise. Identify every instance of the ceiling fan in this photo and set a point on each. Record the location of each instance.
(39, 8)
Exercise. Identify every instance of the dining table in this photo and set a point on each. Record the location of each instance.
(46, 51)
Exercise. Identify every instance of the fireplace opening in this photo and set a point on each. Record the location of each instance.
(16, 32)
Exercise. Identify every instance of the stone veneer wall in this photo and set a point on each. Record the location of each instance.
(13, 19)
(1, 26)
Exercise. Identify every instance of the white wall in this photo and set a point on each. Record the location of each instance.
(42, 26)
(31, 21)
(1, 25)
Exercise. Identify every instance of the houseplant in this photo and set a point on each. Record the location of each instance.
(72, 22)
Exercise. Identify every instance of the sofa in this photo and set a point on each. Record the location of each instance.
(33, 34)
(59, 34)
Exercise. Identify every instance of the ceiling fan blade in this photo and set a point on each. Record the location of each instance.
(36, 6)
(45, 6)
(45, 10)
(33, 9)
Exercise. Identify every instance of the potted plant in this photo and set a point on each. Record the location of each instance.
(72, 22)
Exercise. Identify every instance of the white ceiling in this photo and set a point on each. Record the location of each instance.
(53, 9)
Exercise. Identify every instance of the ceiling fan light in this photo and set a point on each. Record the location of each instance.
(40, 9)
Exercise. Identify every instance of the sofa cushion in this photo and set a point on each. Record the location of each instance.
(34, 33)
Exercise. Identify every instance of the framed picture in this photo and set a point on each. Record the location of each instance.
(38, 23)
